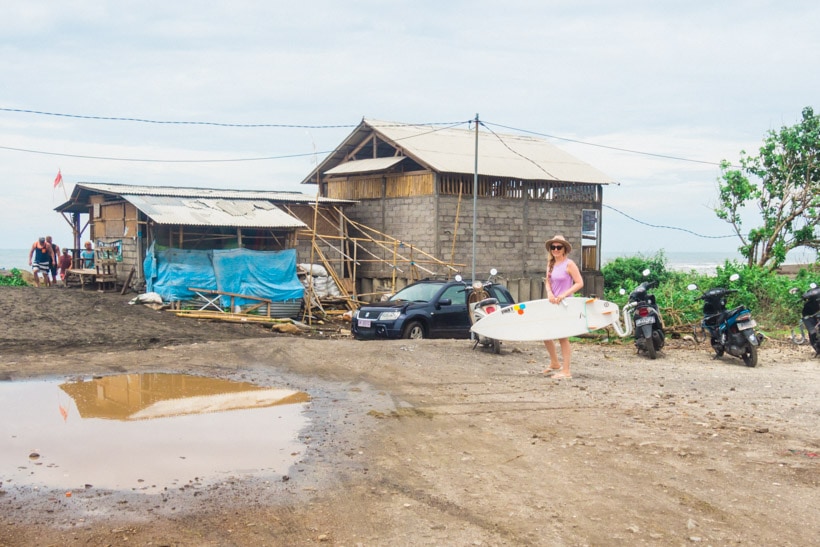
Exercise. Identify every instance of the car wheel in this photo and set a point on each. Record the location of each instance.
(413, 330)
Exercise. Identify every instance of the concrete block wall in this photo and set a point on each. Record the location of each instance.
(510, 236)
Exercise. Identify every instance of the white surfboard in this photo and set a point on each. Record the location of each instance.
(542, 320)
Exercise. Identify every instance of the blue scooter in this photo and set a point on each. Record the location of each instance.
(730, 331)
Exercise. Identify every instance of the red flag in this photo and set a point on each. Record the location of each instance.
(58, 180)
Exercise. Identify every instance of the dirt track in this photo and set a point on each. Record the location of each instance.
(432, 443)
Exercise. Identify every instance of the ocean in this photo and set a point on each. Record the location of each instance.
(701, 262)
(705, 263)
(14, 258)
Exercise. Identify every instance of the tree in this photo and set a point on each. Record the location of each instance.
(785, 184)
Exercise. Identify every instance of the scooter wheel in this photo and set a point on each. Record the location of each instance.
(650, 349)
(750, 356)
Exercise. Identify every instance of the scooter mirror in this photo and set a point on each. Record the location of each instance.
(622, 292)
(493, 271)
(812, 285)
(459, 278)
(692, 287)
(646, 272)
(734, 277)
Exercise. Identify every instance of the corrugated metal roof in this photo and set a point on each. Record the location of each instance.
(515, 156)
(364, 166)
(132, 189)
(453, 151)
(200, 211)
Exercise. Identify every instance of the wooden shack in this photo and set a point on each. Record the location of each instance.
(125, 220)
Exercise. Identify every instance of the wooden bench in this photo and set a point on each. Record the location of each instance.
(83, 276)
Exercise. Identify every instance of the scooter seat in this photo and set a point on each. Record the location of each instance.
(713, 320)
(488, 302)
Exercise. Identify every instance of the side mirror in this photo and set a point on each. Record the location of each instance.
(692, 287)
(459, 278)
(812, 285)
(646, 272)
(493, 271)
(622, 291)
(734, 277)
(445, 302)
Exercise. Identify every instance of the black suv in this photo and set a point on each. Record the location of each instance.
(429, 308)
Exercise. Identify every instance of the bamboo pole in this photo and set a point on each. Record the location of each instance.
(395, 254)
(364, 228)
(455, 227)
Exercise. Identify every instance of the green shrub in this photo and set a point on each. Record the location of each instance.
(774, 300)
(15, 279)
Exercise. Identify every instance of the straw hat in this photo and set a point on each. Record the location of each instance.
(559, 239)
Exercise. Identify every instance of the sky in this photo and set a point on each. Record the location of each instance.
(653, 93)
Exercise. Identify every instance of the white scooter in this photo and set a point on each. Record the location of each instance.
(481, 304)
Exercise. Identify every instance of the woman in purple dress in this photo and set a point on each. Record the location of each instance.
(563, 280)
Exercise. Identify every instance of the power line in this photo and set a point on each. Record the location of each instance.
(664, 156)
(447, 125)
(173, 122)
(666, 227)
(607, 206)
(145, 160)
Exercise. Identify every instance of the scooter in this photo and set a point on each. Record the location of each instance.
(730, 331)
(811, 319)
(648, 324)
(480, 305)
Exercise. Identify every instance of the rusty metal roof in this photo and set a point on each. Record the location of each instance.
(200, 211)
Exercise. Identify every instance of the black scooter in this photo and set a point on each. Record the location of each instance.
(730, 331)
(811, 319)
(646, 317)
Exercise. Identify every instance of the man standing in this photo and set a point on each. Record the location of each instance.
(43, 256)
(55, 249)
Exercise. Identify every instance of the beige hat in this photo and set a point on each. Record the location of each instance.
(559, 239)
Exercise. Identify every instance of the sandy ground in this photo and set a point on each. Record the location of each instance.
(433, 443)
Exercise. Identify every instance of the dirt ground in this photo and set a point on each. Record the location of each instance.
(433, 443)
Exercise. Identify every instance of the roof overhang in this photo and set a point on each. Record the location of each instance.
(364, 166)
(80, 199)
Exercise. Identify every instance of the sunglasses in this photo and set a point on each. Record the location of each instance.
(556, 247)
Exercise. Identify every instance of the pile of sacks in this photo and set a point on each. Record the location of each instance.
(323, 284)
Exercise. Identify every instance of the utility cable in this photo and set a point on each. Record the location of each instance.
(145, 160)
(616, 148)
(666, 227)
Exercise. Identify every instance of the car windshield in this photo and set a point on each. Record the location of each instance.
(420, 292)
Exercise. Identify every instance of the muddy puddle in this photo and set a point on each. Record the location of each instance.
(145, 432)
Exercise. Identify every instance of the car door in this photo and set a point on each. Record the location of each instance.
(451, 320)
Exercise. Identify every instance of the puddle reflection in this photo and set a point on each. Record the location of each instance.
(145, 431)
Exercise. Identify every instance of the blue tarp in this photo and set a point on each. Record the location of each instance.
(266, 274)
